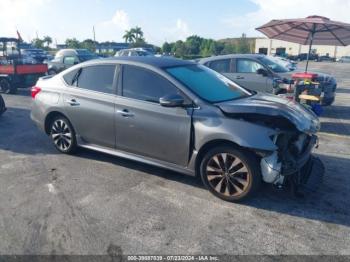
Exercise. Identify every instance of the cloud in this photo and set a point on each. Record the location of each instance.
(120, 20)
(114, 28)
(277, 9)
(19, 14)
(179, 31)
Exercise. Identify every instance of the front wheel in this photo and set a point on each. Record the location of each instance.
(63, 136)
(230, 174)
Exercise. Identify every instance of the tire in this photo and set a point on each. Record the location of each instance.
(2, 105)
(5, 86)
(62, 135)
(51, 72)
(231, 186)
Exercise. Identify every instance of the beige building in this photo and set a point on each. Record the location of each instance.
(271, 47)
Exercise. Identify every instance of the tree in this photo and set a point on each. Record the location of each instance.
(48, 40)
(129, 36)
(38, 43)
(229, 49)
(179, 49)
(193, 44)
(243, 46)
(73, 43)
(166, 48)
(89, 44)
(137, 31)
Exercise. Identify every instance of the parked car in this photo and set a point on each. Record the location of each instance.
(344, 59)
(260, 73)
(66, 58)
(2, 105)
(303, 57)
(181, 116)
(134, 52)
(287, 63)
(325, 58)
(38, 54)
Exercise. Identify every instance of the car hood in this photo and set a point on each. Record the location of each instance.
(264, 104)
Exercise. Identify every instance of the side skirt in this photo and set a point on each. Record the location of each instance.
(138, 158)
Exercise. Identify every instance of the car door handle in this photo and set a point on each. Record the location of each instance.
(125, 113)
(72, 102)
(239, 77)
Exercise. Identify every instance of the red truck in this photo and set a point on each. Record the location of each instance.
(15, 70)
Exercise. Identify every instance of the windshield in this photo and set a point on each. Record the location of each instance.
(207, 84)
(274, 66)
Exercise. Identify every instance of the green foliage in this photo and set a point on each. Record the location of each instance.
(196, 47)
(48, 41)
(135, 37)
(243, 45)
(38, 43)
(73, 43)
(88, 44)
(166, 48)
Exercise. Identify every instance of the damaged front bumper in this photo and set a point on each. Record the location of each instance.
(303, 171)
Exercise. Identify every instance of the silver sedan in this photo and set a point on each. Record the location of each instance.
(181, 116)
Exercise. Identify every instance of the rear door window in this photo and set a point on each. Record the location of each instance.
(99, 78)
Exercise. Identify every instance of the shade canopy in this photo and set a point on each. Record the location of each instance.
(317, 30)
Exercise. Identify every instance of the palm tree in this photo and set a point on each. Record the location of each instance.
(47, 40)
(129, 36)
(138, 32)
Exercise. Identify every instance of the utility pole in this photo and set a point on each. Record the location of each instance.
(94, 33)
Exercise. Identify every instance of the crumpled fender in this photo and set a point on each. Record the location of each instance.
(240, 132)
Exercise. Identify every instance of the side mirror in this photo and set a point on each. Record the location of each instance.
(173, 100)
(262, 71)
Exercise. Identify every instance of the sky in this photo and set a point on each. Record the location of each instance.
(161, 20)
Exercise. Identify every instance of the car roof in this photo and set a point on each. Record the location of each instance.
(220, 57)
(159, 62)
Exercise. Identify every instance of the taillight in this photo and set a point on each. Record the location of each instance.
(35, 90)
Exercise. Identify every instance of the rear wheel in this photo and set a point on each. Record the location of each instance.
(2, 105)
(5, 86)
(62, 135)
(230, 174)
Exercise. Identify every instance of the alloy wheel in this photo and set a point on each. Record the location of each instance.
(61, 135)
(228, 175)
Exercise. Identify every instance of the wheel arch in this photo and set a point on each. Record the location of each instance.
(50, 117)
(210, 145)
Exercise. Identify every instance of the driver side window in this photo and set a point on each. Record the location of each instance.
(145, 85)
(247, 66)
